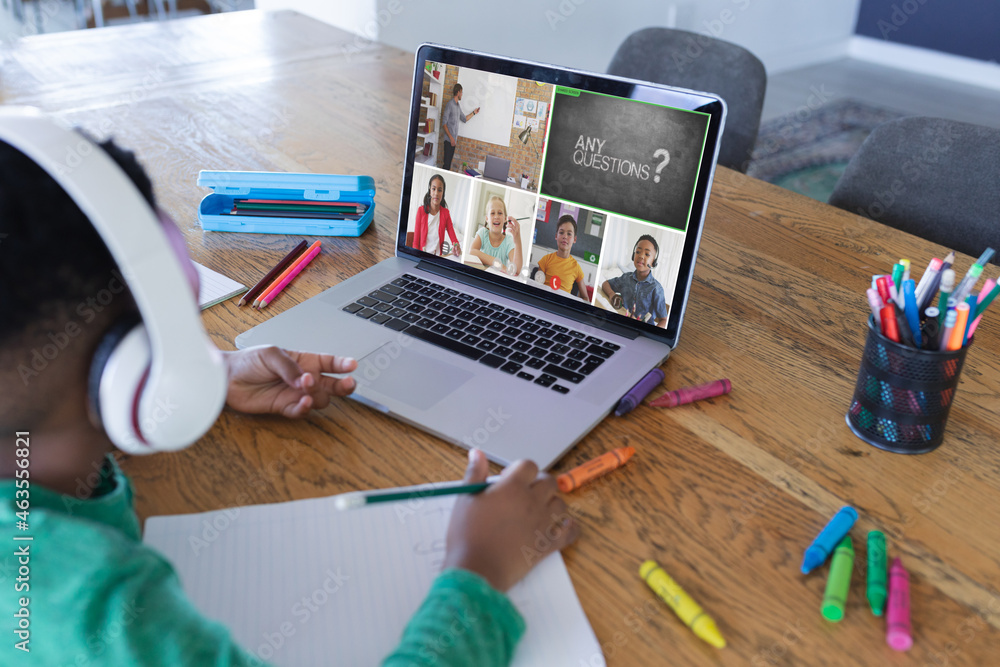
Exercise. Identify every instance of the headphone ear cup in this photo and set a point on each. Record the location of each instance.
(117, 376)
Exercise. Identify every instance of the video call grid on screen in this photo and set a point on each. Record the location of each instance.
(575, 129)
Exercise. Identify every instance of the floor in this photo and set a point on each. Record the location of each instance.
(881, 86)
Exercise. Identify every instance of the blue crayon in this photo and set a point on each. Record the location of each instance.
(828, 538)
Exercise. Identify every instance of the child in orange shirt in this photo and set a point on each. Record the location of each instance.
(562, 271)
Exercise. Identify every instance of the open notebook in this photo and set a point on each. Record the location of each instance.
(302, 583)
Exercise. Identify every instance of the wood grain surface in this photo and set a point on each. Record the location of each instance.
(725, 493)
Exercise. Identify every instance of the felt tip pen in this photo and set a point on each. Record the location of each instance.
(949, 325)
(970, 301)
(968, 282)
(640, 391)
(958, 331)
(882, 285)
(906, 269)
(912, 314)
(888, 318)
(926, 279)
(875, 303)
(947, 285)
(986, 297)
(897, 281)
(985, 258)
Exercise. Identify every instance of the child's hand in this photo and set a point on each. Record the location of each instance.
(267, 379)
(514, 227)
(501, 533)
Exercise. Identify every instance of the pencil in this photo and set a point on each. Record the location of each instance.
(347, 501)
(278, 268)
(296, 270)
(281, 276)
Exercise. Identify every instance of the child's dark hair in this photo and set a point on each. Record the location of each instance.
(563, 220)
(656, 247)
(51, 257)
(427, 197)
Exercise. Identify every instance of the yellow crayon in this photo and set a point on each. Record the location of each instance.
(686, 609)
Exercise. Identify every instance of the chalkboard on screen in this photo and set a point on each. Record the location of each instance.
(624, 156)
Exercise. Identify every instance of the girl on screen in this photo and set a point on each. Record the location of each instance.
(493, 245)
(434, 221)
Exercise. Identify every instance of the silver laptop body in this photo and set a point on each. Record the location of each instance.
(526, 401)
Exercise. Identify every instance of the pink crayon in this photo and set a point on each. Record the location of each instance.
(898, 632)
(672, 399)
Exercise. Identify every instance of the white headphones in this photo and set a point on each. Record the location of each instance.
(158, 384)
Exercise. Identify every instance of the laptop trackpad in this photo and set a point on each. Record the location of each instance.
(409, 376)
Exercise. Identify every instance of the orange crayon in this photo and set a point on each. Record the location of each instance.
(603, 464)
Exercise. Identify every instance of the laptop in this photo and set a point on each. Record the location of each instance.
(496, 169)
(460, 341)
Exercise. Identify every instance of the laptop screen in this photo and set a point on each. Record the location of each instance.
(599, 200)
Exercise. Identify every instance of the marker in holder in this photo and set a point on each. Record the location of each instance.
(903, 395)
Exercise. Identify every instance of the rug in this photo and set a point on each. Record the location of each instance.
(807, 151)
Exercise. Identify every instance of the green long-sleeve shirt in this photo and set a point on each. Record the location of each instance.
(85, 590)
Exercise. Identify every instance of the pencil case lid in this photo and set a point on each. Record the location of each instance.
(315, 187)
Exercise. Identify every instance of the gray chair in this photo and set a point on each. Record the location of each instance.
(696, 61)
(938, 179)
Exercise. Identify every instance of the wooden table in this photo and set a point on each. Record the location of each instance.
(726, 493)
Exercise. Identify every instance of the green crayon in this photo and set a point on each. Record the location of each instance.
(877, 592)
(837, 585)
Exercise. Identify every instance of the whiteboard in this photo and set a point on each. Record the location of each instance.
(494, 94)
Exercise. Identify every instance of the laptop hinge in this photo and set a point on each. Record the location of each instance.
(595, 320)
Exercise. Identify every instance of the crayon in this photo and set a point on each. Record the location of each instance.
(602, 465)
(685, 395)
(686, 608)
(876, 591)
(639, 391)
(832, 533)
(898, 631)
(839, 581)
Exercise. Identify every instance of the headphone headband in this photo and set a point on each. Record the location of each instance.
(186, 370)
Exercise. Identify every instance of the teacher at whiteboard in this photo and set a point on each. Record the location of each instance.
(452, 115)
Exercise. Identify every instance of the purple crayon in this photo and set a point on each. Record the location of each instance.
(684, 395)
(828, 538)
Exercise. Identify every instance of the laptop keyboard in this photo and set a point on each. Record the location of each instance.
(533, 349)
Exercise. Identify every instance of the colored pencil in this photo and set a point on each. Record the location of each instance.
(291, 276)
(269, 278)
(283, 274)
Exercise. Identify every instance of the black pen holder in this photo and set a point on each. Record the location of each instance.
(903, 394)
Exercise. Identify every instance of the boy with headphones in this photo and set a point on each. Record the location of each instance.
(101, 344)
(638, 291)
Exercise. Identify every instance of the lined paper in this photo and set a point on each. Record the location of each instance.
(214, 287)
(302, 583)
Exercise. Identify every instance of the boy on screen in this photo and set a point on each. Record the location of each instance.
(561, 270)
(638, 292)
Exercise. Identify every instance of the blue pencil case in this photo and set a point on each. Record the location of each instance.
(227, 186)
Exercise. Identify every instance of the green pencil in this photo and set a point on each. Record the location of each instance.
(357, 499)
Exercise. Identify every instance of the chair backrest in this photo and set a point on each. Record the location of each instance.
(692, 60)
(938, 179)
